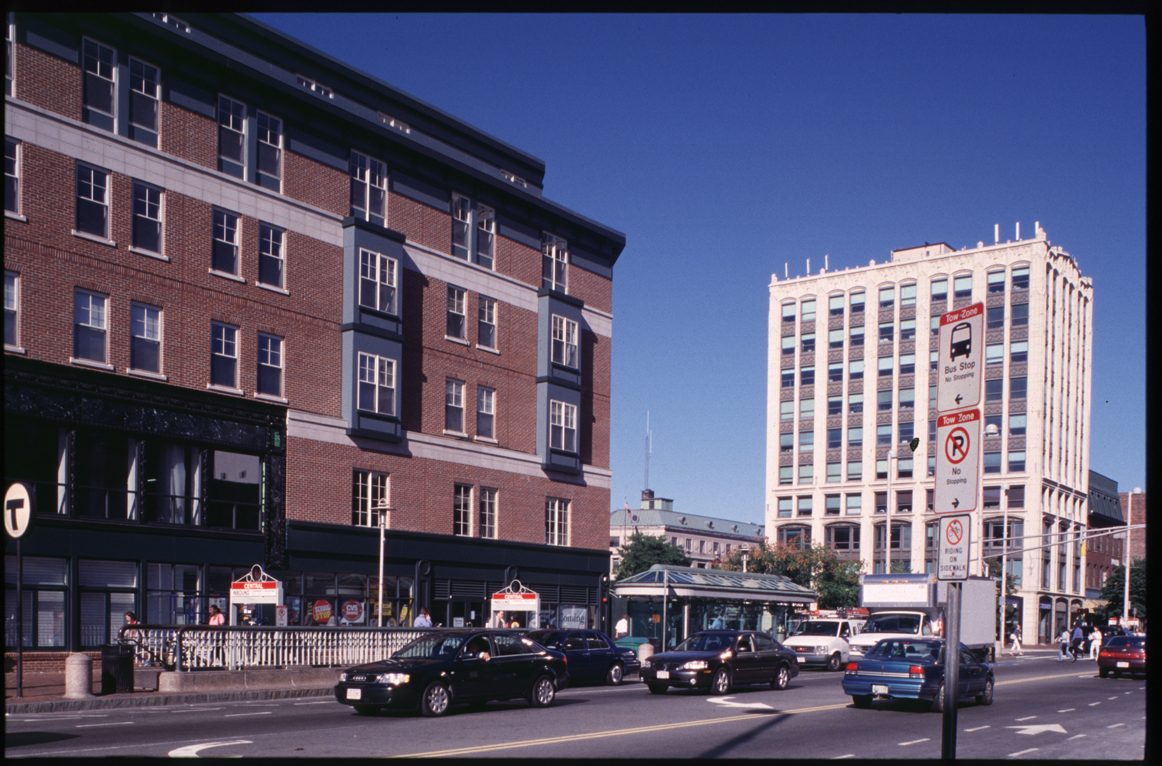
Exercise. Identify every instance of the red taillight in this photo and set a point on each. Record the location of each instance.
(1103, 654)
(915, 670)
(851, 666)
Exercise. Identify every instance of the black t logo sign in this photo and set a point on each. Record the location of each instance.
(14, 505)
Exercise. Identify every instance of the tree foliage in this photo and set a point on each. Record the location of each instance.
(642, 551)
(1114, 590)
(812, 566)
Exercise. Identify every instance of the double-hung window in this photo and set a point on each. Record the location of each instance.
(485, 412)
(147, 218)
(994, 353)
(457, 324)
(857, 337)
(807, 310)
(376, 384)
(562, 426)
(486, 327)
(835, 372)
(144, 96)
(369, 497)
(231, 137)
(11, 176)
(788, 343)
(807, 343)
(556, 521)
(789, 312)
(887, 297)
(461, 226)
(1021, 278)
(887, 332)
(835, 338)
(98, 97)
(270, 361)
(462, 510)
(995, 318)
(11, 309)
(473, 231)
(855, 369)
(939, 291)
(996, 282)
(1020, 315)
(454, 406)
(90, 326)
(835, 305)
(271, 260)
(92, 201)
(855, 436)
(907, 330)
(223, 355)
(368, 189)
(377, 281)
(962, 287)
(907, 400)
(1019, 351)
(224, 258)
(908, 294)
(269, 166)
(564, 341)
(555, 263)
(488, 513)
(145, 338)
(857, 302)
(907, 364)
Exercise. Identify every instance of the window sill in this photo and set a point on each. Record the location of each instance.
(148, 374)
(225, 275)
(149, 254)
(485, 440)
(461, 341)
(272, 288)
(225, 390)
(489, 349)
(271, 398)
(91, 363)
(14, 216)
(456, 434)
(15, 349)
(94, 238)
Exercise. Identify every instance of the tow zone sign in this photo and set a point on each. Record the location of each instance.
(957, 462)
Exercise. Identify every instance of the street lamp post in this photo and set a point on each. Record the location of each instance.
(1126, 558)
(888, 514)
(384, 512)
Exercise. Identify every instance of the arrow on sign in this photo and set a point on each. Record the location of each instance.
(1038, 728)
(956, 502)
(958, 398)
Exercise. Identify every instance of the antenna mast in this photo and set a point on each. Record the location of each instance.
(649, 442)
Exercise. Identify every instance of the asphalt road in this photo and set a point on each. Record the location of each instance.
(1042, 709)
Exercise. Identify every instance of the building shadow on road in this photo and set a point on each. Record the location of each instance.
(723, 749)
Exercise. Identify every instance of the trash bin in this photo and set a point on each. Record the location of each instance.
(117, 668)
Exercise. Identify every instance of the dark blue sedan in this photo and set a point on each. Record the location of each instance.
(593, 657)
(913, 669)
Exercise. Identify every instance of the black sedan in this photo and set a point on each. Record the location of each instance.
(913, 669)
(453, 666)
(593, 657)
(719, 659)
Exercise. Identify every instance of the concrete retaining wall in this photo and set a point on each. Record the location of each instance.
(173, 682)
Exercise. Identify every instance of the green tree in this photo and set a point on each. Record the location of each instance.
(1114, 590)
(642, 551)
(812, 566)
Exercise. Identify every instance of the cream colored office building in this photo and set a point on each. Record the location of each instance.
(851, 377)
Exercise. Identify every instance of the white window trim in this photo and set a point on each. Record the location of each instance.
(160, 253)
(367, 481)
(160, 335)
(18, 145)
(237, 357)
(245, 161)
(156, 98)
(281, 257)
(17, 310)
(561, 414)
(380, 365)
(459, 391)
(565, 333)
(556, 251)
(492, 412)
(392, 283)
(462, 301)
(456, 493)
(281, 366)
(113, 80)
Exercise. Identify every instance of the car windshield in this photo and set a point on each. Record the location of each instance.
(893, 623)
(430, 646)
(706, 642)
(1124, 641)
(547, 637)
(907, 650)
(817, 629)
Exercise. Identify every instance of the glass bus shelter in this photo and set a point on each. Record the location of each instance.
(667, 603)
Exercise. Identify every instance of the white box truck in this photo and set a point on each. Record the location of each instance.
(902, 605)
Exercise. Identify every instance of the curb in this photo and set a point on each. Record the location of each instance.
(153, 700)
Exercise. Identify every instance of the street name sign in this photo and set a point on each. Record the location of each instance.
(960, 358)
(957, 462)
(952, 554)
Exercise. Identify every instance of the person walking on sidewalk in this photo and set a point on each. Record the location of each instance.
(1075, 642)
(1015, 649)
(1094, 643)
(1063, 645)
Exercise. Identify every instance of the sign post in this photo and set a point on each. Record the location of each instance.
(960, 377)
(18, 520)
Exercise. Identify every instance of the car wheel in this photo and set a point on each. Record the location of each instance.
(720, 683)
(657, 688)
(986, 696)
(543, 692)
(938, 700)
(1103, 672)
(366, 709)
(833, 662)
(782, 678)
(435, 700)
(615, 674)
(861, 700)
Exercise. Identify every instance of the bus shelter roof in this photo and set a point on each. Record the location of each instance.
(713, 583)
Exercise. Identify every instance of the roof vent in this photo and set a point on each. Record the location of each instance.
(682, 521)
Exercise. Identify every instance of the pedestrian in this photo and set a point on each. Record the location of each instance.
(497, 620)
(621, 630)
(715, 622)
(1094, 643)
(1015, 649)
(217, 618)
(1063, 645)
(424, 620)
(1075, 641)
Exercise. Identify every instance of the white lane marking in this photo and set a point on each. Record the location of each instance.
(1112, 726)
(1037, 728)
(849, 755)
(111, 723)
(1068, 709)
(1030, 717)
(332, 702)
(236, 715)
(726, 702)
(207, 709)
(978, 728)
(191, 751)
(1109, 698)
(1022, 752)
(1076, 736)
(1094, 703)
(913, 742)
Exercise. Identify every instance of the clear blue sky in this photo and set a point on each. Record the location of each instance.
(726, 146)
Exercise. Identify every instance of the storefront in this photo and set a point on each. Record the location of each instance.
(668, 603)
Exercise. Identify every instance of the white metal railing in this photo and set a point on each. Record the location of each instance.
(194, 647)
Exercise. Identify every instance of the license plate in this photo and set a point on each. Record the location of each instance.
(663, 674)
(1123, 664)
(880, 689)
(354, 694)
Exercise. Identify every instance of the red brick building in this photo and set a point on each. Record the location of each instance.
(254, 300)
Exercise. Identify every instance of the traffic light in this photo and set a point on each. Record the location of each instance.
(912, 445)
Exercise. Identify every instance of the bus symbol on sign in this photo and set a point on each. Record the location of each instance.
(961, 341)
